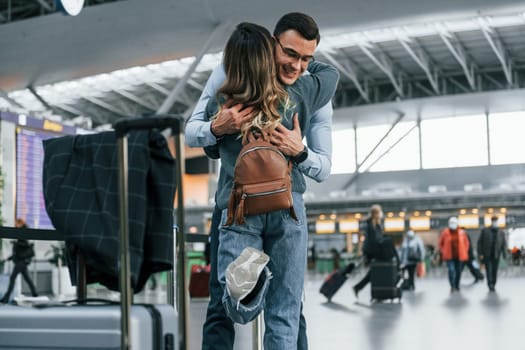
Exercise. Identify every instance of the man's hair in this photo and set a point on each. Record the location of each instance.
(303, 24)
(251, 75)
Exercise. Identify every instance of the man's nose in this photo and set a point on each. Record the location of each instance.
(297, 65)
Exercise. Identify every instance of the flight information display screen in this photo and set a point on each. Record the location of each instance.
(29, 190)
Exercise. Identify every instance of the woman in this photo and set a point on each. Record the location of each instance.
(412, 253)
(375, 245)
(271, 245)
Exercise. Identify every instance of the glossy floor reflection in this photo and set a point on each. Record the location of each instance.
(429, 318)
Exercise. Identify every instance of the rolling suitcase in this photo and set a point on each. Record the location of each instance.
(385, 279)
(334, 281)
(104, 326)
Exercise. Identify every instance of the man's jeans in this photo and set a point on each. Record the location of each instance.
(455, 267)
(284, 239)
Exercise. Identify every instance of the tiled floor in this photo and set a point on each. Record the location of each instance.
(429, 318)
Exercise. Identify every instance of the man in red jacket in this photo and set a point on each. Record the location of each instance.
(454, 245)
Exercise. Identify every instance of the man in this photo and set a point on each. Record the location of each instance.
(454, 245)
(296, 37)
(491, 245)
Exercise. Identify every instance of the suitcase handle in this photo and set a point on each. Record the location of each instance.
(123, 126)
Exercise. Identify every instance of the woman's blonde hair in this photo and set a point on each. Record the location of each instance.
(251, 76)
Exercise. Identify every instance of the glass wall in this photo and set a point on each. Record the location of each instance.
(458, 141)
(507, 138)
(401, 156)
(343, 151)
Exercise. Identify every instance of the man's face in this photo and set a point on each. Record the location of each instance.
(292, 55)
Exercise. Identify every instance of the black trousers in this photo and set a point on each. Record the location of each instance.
(491, 265)
(364, 281)
(411, 275)
(19, 268)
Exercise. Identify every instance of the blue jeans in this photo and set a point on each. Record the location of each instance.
(455, 267)
(218, 332)
(284, 239)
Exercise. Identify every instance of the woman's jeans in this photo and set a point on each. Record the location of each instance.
(455, 267)
(284, 239)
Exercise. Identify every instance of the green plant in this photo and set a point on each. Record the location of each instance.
(58, 253)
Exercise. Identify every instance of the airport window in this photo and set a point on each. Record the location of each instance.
(343, 152)
(506, 137)
(402, 156)
(454, 142)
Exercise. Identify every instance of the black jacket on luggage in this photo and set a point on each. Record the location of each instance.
(81, 196)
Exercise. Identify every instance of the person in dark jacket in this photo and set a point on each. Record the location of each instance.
(22, 255)
(375, 246)
(491, 245)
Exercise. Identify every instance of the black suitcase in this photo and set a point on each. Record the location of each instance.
(334, 281)
(385, 278)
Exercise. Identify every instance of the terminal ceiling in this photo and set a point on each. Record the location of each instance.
(423, 60)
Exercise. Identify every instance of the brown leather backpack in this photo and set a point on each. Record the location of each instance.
(262, 180)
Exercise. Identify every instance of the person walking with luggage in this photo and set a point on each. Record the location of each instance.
(375, 245)
(454, 245)
(412, 253)
(491, 245)
(284, 236)
(22, 255)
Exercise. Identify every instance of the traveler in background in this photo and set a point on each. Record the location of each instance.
(375, 245)
(454, 245)
(412, 253)
(472, 263)
(284, 237)
(491, 245)
(22, 255)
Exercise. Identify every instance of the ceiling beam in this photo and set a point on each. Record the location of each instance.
(420, 57)
(98, 102)
(349, 72)
(383, 62)
(135, 99)
(9, 99)
(158, 87)
(170, 100)
(196, 85)
(458, 51)
(498, 47)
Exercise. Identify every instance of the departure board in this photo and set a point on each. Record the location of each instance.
(29, 190)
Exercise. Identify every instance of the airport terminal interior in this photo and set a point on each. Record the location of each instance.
(428, 123)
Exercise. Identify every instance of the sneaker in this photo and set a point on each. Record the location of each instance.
(243, 273)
